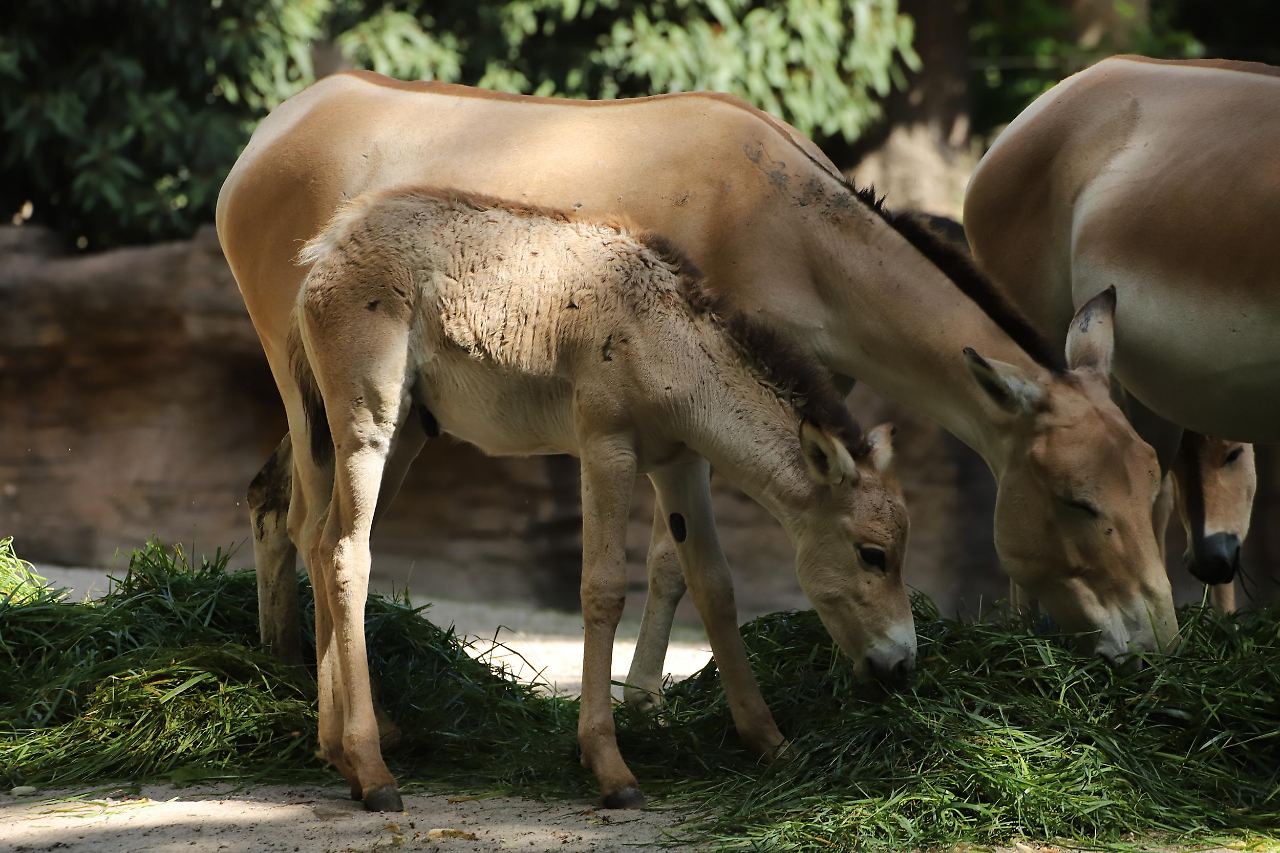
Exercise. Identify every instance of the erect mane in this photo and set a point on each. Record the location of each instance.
(956, 264)
(797, 379)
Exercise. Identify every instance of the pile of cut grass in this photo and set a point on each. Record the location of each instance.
(1002, 734)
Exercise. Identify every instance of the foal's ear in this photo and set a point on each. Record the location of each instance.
(880, 439)
(825, 456)
(1091, 340)
(1006, 385)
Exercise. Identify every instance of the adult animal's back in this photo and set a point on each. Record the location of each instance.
(1162, 179)
(696, 166)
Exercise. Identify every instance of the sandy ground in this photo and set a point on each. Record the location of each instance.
(204, 819)
(540, 645)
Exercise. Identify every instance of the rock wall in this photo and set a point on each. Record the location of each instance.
(136, 401)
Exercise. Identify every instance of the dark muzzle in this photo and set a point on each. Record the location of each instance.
(1216, 560)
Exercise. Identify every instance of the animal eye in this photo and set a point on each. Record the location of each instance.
(1082, 506)
(1233, 456)
(873, 556)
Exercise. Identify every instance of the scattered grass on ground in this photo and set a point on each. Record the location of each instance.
(1002, 734)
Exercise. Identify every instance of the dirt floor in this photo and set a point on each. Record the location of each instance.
(205, 819)
(541, 645)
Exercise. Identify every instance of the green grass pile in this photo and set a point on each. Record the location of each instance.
(1002, 734)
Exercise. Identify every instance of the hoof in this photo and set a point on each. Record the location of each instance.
(357, 793)
(384, 799)
(624, 798)
(643, 701)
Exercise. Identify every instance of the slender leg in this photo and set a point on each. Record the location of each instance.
(666, 588)
(685, 495)
(1223, 597)
(1161, 512)
(608, 478)
(274, 556)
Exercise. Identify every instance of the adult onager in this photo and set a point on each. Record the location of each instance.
(1214, 482)
(525, 331)
(780, 236)
(1209, 481)
(1156, 178)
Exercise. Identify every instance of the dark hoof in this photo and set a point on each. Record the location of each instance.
(624, 798)
(384, 799)
(357, 793)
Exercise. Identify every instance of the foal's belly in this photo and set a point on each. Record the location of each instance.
(502, 415)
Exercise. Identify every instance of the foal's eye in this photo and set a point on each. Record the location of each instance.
(1233, 456)
(873, 556)
(1082, 506)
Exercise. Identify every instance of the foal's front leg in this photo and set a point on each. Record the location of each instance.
(666, 588)
(684, 493)
(608, 478)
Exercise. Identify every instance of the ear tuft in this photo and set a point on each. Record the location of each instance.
(880, 439)
(1091, 338)
(1007, 386)
(825, 456)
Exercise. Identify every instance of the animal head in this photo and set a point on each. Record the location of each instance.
(850, 549)
(1215, 481)
(1073, 523)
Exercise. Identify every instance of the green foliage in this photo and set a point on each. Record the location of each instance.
(127, 135)
(1021, 48)
(1000, 735)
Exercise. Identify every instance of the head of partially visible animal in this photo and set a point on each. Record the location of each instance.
(1074, 505)
(850, 548)
(1215, 481)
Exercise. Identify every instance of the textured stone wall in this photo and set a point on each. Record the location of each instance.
(135, 401)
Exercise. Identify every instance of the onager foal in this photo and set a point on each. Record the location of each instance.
(525, 331)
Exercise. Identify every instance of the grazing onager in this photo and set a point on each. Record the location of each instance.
(1215, 481)
(1156, 178)
(527, 331)
(784, 239)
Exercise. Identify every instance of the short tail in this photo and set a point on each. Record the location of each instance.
(312, 401)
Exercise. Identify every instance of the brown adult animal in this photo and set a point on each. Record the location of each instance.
(526, 331)
(1210, 482)
(780, 236)
(1159, 179)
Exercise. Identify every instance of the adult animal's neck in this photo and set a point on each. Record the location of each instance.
(897, 320)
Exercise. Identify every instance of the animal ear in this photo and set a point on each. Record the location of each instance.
(825, 456)
(1006, 385)
(1091, 340)
(880, 440)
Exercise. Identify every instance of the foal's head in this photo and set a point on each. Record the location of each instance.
(850, 547)
(1215, 481)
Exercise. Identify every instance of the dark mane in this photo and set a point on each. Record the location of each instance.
(957, 265)
(796, 377)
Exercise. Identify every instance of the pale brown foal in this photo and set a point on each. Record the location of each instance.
(527, 331)
(779, 235)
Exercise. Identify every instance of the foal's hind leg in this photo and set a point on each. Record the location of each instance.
(361, 373)
(274, 556)
(666, 588)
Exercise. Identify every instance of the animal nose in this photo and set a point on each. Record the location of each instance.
(892, 668)
(1217, 559)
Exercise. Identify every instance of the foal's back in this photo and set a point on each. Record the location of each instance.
(510, 309)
